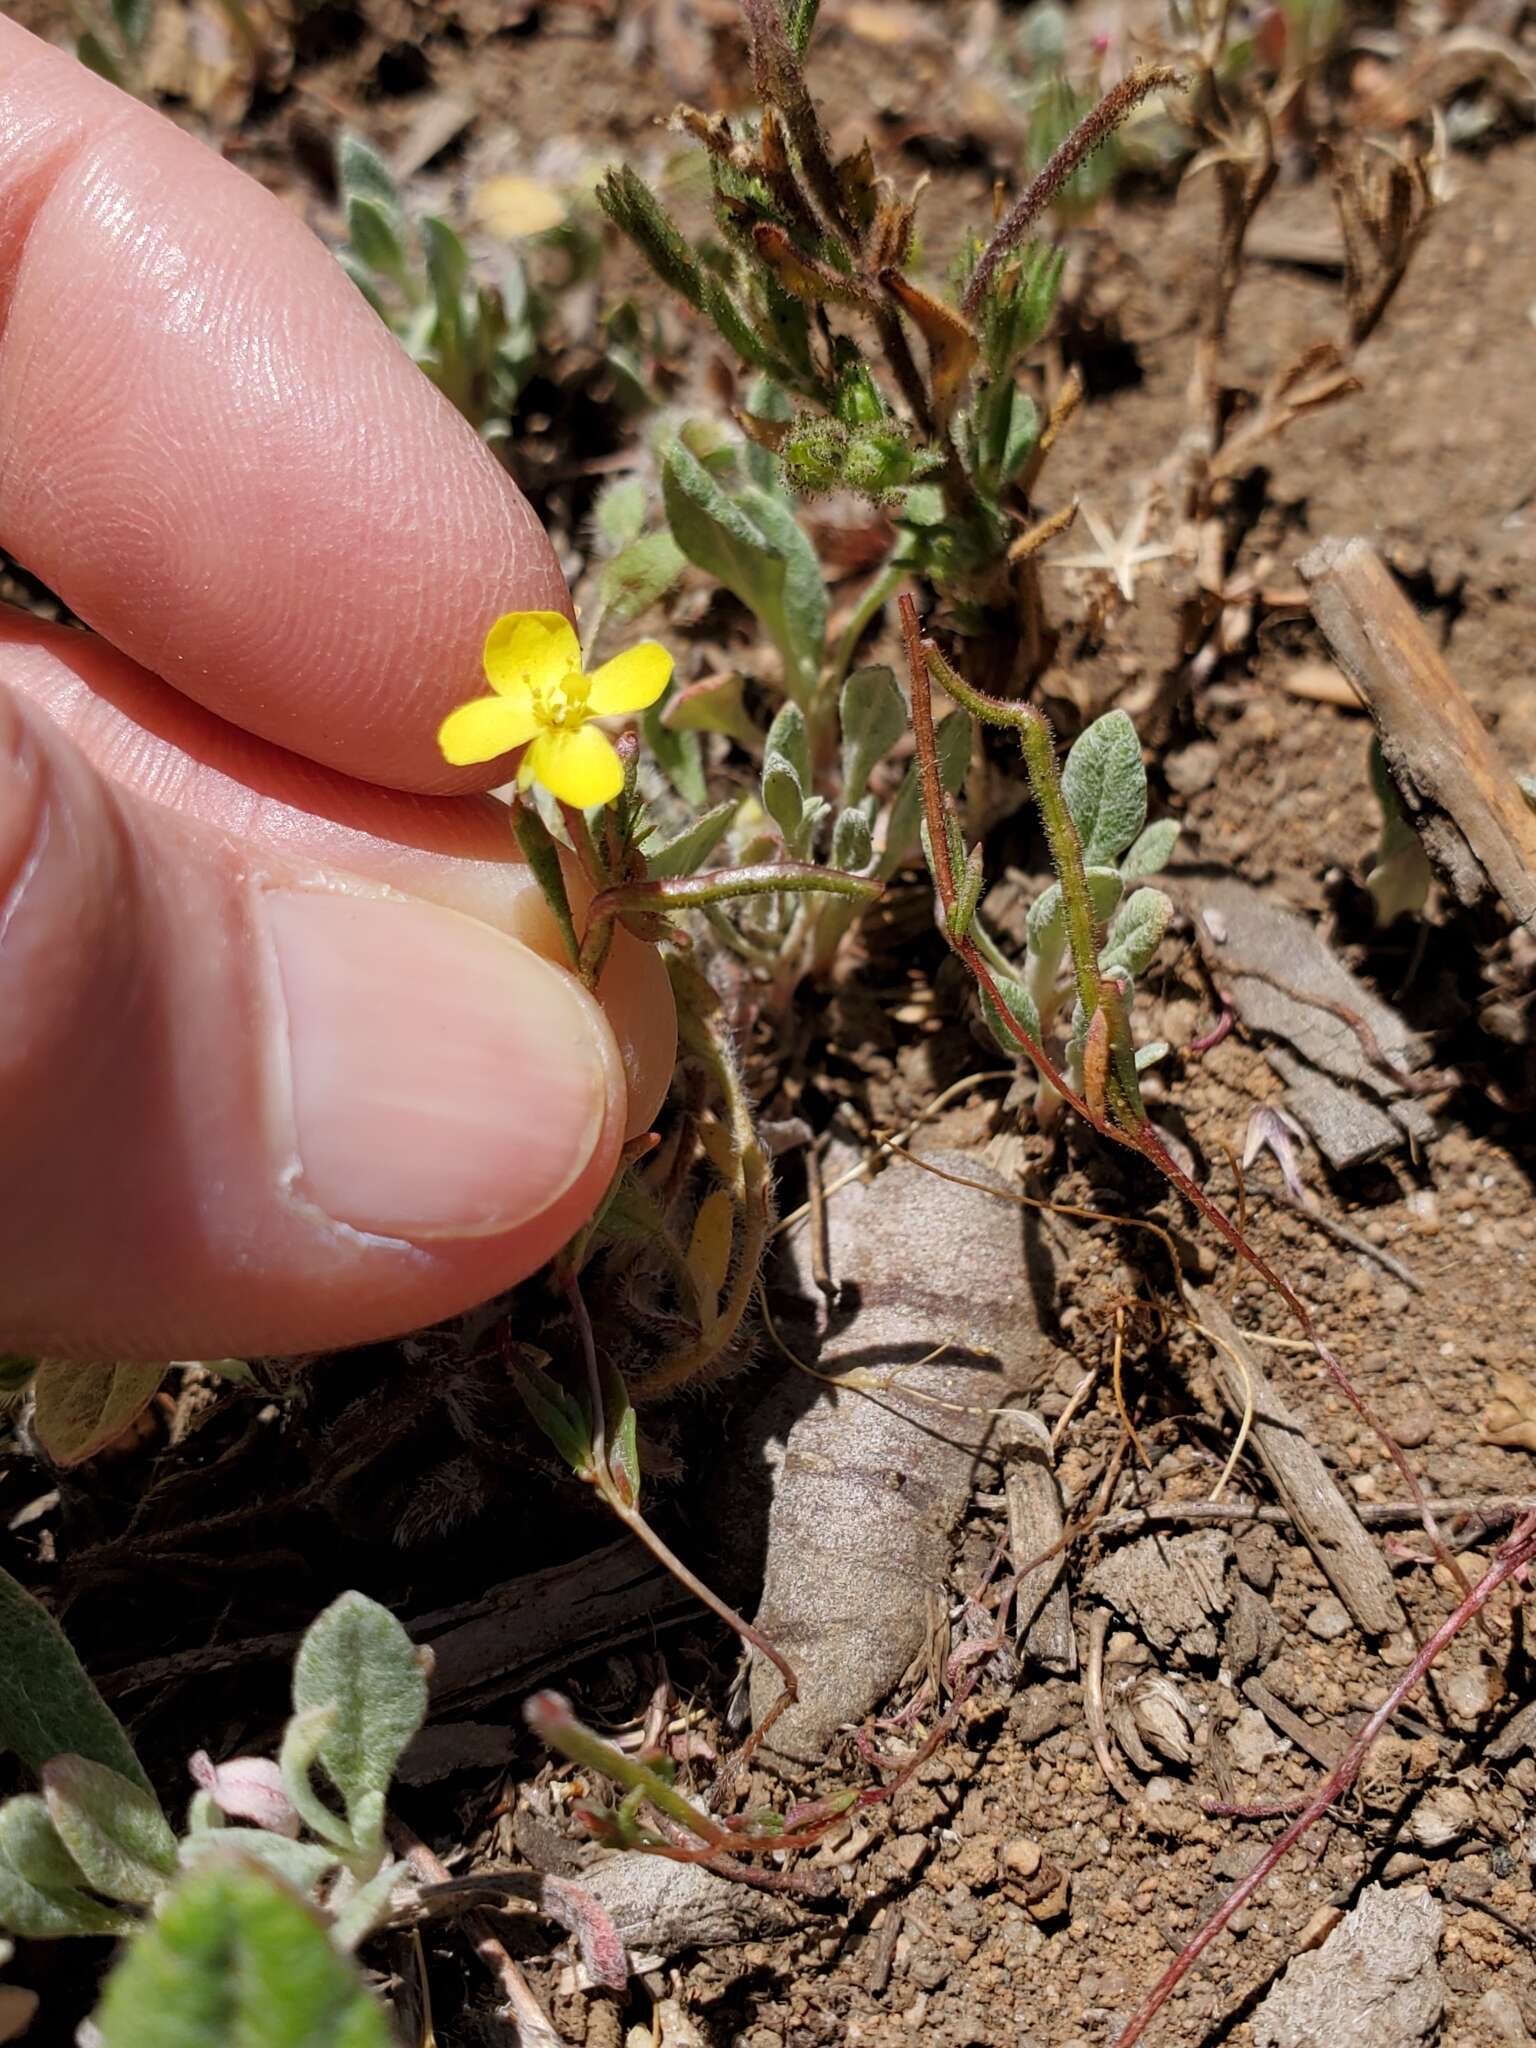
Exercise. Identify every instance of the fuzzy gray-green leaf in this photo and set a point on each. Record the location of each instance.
(47, 1703)
(301, 1864)
(690, 848)
(237, 1959)
(1152, 852)
(1137, 932)
(1105, 786)
(873, 717)
(114, 1831)
(1021, 1004)
(356, 1657)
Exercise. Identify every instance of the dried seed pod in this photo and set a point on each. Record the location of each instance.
(1163, 1719)
(1442, 1817)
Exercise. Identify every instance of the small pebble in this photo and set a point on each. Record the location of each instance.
(1328, 1621)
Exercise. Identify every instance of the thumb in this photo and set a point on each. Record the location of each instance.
(251, 1105)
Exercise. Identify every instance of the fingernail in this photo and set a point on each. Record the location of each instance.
(445, 1081)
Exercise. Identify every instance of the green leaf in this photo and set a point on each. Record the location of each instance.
(852, 841)
(304, 1865)
(618, 513)
(679, 755)
(1152, 851)
(48, 1706)
(95, 56)
(361, 1912)
(78, 1409)
(691, 847)
(362, 277)
(303, 1739)
(952, 740)
(1021, 1004)
(622, 1431)
(375, 239)
(799, 20)
(538, 847)
(357, 1658)
(1047, 918)
(787, 769)
(235, 1959)
(1137, 931)
(805, 589)
(641, 572)
(133, 19)
(32, 1846)
(361, 173)
(1105, 786)
(114, 1831)
(873, 716)
(561, 1417)
(969, 876)
(40, 1895)
(716, 534)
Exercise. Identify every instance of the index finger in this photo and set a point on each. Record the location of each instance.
(215, 452)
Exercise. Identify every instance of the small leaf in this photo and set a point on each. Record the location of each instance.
(873, 716)
(237, 1959)
(714, 705)
(953, 743)
(304, 1865)
(690, 848)
(356, 1657)
(968, 881)
(717, 536)
(952, 345)
(679, 755)
(1152, 851)
(40, 1899)
(787, 769)
(48, 1706)
(361, 1911)
(853, 843)
(133, 19)
(1137, 932)
(622, 1429)
(116, 1833)
(32, 1846)
(95, 56)
(1022, 1006)
(1105, 786)
(639, 575)
(1047, 915)
(805, 589)
(558, 1414)
(302, 1741)
(708, 1258)
(375, 239)
(538, 847)
(82, 1408)
(618, 513)
(361, 173)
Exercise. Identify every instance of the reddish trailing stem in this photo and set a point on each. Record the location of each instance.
(1515, 1556)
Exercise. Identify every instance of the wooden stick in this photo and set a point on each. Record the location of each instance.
(1350, 1562)
(1460, 793)
(1043, 1606)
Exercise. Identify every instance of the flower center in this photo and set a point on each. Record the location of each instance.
(562, 707)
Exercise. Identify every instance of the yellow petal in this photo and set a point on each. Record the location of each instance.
(530, 649)
(630, 681)
(487, 727)
(580, 767)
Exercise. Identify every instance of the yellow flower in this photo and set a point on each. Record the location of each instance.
(543, 702)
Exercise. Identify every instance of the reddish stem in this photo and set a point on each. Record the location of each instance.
(1516, 1554)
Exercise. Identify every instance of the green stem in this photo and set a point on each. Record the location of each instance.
(720, 885)
(550, 1717)
(1061, 835)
